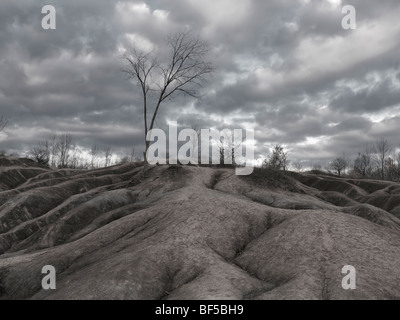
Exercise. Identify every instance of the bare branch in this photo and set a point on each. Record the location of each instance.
(4, 122)
(184, 72)
(107, 156)
(41, 152)
(382, 151)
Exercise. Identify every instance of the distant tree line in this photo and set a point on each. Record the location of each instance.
(379, 160)
(59, 151)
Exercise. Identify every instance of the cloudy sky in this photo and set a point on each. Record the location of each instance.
(286, 68)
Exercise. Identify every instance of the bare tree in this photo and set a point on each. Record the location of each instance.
(64, 146)
(278, 160)
(316, 166)
(53, 149)
(297, 165)
(41, 152)
(362, 165)
(285, 160)
(93, 155)
(129, 158)
(46, 151)
(391, 168)
(123, 160)
(397, 163)
(196, 144)
(107, 156)
(185, 71)
(382, 150)
(75, 159)
(227, 148)
(4, 122)
(339, 165)
(132, 156)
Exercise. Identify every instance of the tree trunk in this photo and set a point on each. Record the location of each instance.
(145, 152)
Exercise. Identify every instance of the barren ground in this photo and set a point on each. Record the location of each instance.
(185, 232)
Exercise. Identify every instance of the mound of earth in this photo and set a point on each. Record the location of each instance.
(186, 232)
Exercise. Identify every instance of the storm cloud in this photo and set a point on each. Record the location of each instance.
(287, 69)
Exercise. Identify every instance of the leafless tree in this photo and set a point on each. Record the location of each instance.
(362, 165)
(278, 160)
(285, 160)
(41, 152)
(316, 166)
(124, 160)
(397, 163)
(185, 71)
(297, 165)
(107, 156)
(93, 155)
(4, 122)
(382, 150)
(196, 141)
(75, 160)
(227, 148)
(53, 149)
(132, 156)
(64, 145)
(391, 168)
(339, 165)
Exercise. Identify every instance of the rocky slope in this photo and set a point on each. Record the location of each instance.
(173, 232)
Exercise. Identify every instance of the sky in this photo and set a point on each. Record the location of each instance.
(285, 68)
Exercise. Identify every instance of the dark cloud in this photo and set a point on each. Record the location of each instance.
(383, 95)
(285, 67)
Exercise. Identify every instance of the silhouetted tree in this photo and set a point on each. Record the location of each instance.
(93, 155)
(278, 160)
(297, 166)
(75, 159)
(107, 156)
(185, 71)
(339, 165)
(53, 149)
(64, 146)
(41, 152)
(227, 148)
(362, 165)
(196, 147)
(382, 150)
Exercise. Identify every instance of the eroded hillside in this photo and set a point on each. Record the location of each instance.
(183, 232)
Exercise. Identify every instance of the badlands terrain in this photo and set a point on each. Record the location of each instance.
(187, 232)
